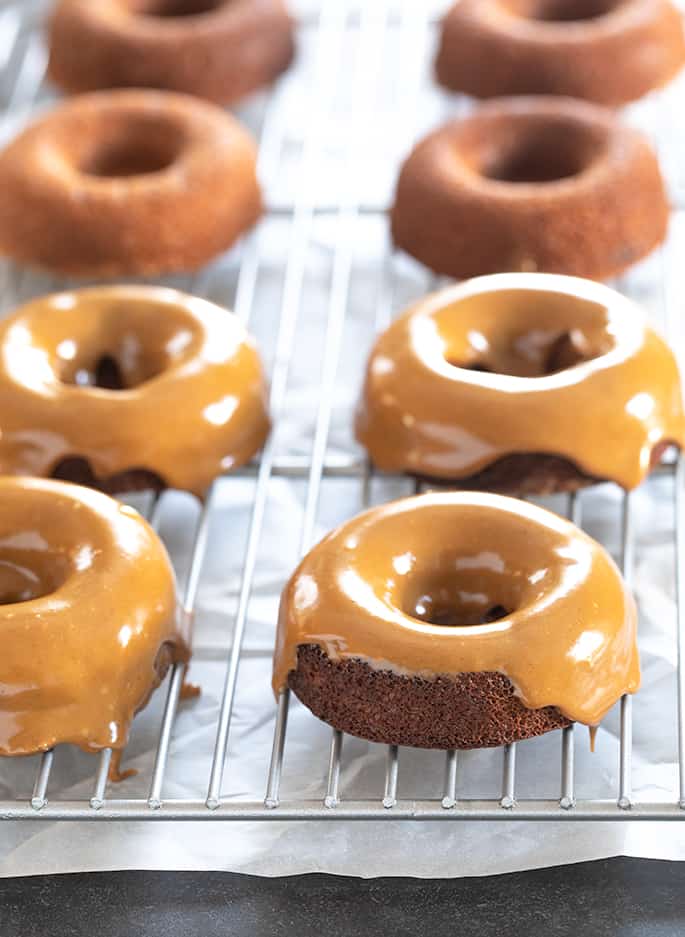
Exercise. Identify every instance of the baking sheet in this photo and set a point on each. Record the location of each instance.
(375, 96)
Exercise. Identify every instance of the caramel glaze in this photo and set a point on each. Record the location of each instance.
(193, 403)
(89, 617)
(521, 363)
(374, 588)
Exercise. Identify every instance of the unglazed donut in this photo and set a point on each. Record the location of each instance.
(126, 387)
(456, 621)
(127, 182)
(608, 51)
(216, 49)
(544, 184)
(527, 383)
(90, 621)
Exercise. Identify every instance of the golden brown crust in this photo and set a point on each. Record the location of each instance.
(89, 617)
(402, 615)
(191, 402)
(531, 184)
(127, 182)
(466, 710)
(227, 50)
(623, 51)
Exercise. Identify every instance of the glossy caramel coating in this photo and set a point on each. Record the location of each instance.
(521, 364)
(90, 620)
(531, 184)
(118, 183)
(193, 403)
(608, 51)
(221, 50)
(405, 587)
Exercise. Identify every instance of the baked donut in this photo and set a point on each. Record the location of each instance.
(128, 387)
(526, 383)
(608, 51)
(531, 184)
(90, 621)
(127, 182)
(460, 620)
(216, 49)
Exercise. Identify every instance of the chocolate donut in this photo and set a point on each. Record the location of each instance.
(456, 621)
(129, 387)
(524, 383)
(89, 616)
(127, 182)
(545, 184)
(221, 50)
(608, 51)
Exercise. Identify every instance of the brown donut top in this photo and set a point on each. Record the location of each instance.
(88, 614)
(216, 49)
(193, 397)
(531, 183)
(463, 583)
(521, 363)
(608, 51)
(121, 182)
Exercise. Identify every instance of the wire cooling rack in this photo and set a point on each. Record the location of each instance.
(319, 273)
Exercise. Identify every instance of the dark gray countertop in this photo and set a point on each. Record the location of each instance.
(617, 897)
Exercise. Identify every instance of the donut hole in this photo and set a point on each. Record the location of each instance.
(142, 146)
(523, 334)
(172, 9)
(534, 354)
(562, 11)
(29, 574)
(539, 153)
(115, 373)
(461, 592)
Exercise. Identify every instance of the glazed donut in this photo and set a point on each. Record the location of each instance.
(127, 182)
(90, 621)
(527, 383)
(456, 621)
(128, 387)
(544, 184)
(216, 49)
(608, 51)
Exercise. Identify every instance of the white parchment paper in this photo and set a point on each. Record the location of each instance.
(364, 849)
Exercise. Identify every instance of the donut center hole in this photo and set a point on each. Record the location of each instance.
(134, 159)
(536, 353)
(141, 146)
(434, 611)
(112, 372)
(545, 154)
(29, 574)
(172, 9)
(562, 11)
(461, 592)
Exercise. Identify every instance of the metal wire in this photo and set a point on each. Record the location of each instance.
(22, 64)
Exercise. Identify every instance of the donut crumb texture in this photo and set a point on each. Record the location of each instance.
(464, 711)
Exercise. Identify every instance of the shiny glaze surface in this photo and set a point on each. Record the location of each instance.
(194, 403)
(614, 398)
(567, 638)
(87, 606)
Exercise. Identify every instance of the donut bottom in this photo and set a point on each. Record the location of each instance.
(463, 711)
(528, 473)
(521, 474)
